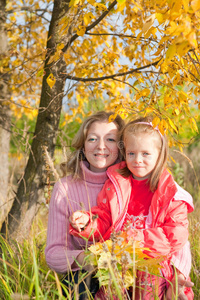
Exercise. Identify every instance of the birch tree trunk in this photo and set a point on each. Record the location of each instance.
(4, 117)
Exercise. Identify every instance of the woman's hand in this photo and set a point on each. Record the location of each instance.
(79, 220)
(182, 283)
(81, 260)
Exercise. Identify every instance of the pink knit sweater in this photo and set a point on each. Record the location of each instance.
(68, 196)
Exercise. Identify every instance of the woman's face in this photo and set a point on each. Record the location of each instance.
(100, 146)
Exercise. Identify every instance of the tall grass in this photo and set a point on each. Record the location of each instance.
(195, 248)
(186, 172)
(25, 275)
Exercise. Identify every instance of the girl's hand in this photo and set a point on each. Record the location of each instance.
(136, 234)
(79, 220)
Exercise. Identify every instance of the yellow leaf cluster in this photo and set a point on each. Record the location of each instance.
(22, 107)
(81, 30)
(127, 255)
(88, 18)
(27, 35)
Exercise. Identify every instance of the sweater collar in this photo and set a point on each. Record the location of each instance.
(139, 183)
(92, 177)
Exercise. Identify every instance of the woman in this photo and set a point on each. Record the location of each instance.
(95, 150)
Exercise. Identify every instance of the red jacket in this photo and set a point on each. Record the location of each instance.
(167, 225)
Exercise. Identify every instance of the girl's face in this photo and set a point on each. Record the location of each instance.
(141, 154)
(100, 145)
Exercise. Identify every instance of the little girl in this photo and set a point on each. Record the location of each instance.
(142, 194)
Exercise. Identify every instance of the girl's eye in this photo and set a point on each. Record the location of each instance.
(146, 153)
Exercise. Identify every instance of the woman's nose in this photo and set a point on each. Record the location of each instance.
(101, 144)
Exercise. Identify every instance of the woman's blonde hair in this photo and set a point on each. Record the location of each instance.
(72, 166)
(139, 126)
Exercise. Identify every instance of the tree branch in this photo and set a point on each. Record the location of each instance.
(102, 16)
(29, 9)
(75, 36)
(194, 63)
(65, 76)
(121, 36)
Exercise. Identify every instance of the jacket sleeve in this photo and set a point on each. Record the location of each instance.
(100, 219)
(169, 236)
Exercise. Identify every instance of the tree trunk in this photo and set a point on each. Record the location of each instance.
(30, 193)
(4, 117)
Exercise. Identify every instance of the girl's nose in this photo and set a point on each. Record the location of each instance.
(138, 158)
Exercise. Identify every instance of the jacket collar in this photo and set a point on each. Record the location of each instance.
(164, 193)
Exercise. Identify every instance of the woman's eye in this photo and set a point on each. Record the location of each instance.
(111, 140)
(91, 139)
(130, 153)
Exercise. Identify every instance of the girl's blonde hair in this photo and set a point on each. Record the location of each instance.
(72, 166)
(137, 127)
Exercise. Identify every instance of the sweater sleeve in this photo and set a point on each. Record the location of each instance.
(100, 219)
(182, 260)
(169, 237)
(60, 251)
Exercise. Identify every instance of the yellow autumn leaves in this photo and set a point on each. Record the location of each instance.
(163, 35)
(123, 258)
(51, 80)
